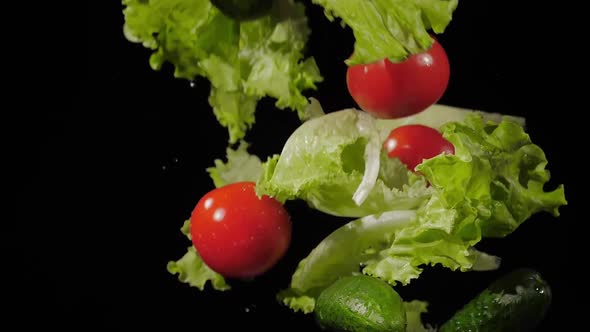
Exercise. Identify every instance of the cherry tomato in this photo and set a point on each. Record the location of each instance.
(238, 234)
(392, 90)
(375, 89)
(414, 143)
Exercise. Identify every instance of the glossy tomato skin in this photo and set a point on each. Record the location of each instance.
(393, 90)
(375, 89)
(414, 143)
(426, 77)
(238, 234)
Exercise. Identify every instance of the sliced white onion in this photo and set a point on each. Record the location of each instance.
(367, 128)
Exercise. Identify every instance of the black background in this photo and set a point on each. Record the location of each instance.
(106, 179)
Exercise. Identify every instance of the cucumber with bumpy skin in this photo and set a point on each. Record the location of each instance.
(360, 304)
(515, 302)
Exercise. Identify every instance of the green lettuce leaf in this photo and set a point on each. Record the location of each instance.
(240, 166)
(492, 184)
(313, 110)
(414, 311)
(500, 171)
(391, 29)
(191, 269)
(244, 61)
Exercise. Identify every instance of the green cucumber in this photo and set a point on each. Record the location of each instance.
(360, 304)
(516, 302)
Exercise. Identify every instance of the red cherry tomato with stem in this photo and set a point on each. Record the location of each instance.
(392, 90)
(238, 234)
(414, 143)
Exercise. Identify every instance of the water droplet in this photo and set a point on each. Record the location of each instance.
(170, 164)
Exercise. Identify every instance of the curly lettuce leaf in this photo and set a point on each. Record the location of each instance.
(244, 61)
(414, 310)
(493, 183)
(240, 166)
(191, 269)
(502, 172)
(393, 29)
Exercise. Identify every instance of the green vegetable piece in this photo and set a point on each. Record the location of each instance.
(414, 311)
(191, 269)
(516, 302)
(360, 303)
(244, 61)
(393, 29)
(242, 10)
(240, 166)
